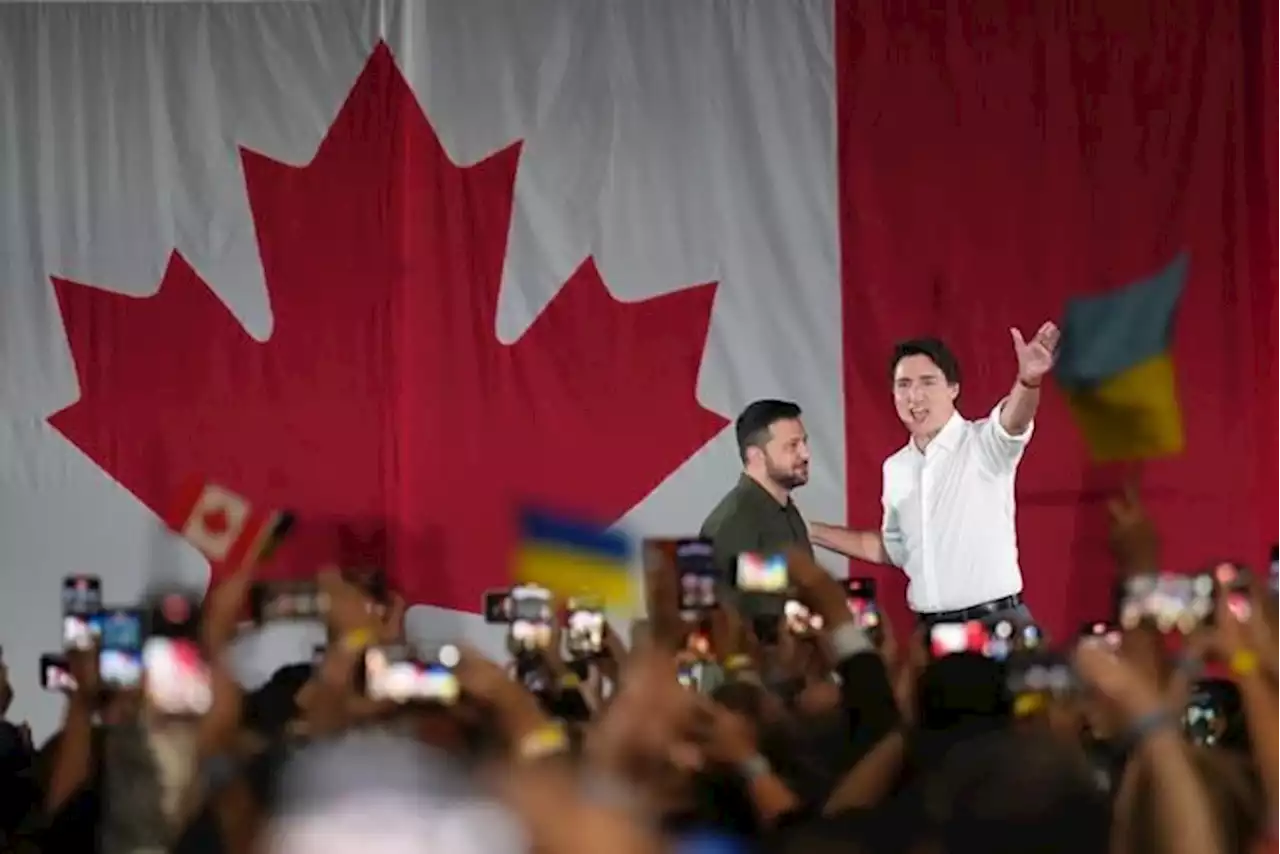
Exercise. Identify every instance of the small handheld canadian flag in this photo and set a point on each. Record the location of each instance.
(224, 526)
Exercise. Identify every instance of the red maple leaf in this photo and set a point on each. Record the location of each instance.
(383, 410)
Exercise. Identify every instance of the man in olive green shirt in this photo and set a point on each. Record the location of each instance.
(758, 514)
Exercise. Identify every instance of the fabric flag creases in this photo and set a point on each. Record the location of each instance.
(1116, 369)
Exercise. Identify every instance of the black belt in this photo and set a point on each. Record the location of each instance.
(976, 612)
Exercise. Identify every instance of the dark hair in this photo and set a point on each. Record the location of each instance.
(1015, 792)
(269, 709)
(934, 349)
(753, 424)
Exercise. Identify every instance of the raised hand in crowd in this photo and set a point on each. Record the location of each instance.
(736, 726)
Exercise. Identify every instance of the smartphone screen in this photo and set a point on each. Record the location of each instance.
(1172, 603)
(860, 594)
(496, 607)
(120, 655)
(584, 635)
(1045, 675)
(1103, 632)
(395, 674)
(55, 674)
(81, 631)
(759, 573)
(951, 638)
(81, 594)
(800, 620)
(697, 573)
(177, 682)
(860, 588)
(1001, 641)
(272, 601)
(531, 618)
(1234, 583)
(1204, 721)
(1028, 637)
(81, 611)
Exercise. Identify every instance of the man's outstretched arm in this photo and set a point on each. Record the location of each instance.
(867, 546)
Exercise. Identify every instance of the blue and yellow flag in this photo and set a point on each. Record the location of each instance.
(572, 558)
(1116, 369)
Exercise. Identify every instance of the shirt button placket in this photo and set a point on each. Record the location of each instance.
(926, 550)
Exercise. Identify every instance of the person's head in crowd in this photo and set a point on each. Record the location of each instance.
(274, 710)
(1014, 792)
(773, 444)
(770, 760)
(6, 690)
(958, 697)
(747, 699)
(926, 384)
(956, 689)
(19, 790)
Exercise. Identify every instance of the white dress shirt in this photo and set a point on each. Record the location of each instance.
(949, 514)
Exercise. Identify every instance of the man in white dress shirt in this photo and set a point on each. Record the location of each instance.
(948, 494)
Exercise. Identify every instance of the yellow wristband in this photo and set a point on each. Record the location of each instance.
(357, 640)
(1244, 663)
(1028, 704)
(738, 662)
(570, 681)
(542, 742)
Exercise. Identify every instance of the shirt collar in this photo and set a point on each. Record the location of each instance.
(947, 437)
(749, 483)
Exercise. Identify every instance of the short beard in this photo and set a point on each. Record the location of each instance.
(785, 479)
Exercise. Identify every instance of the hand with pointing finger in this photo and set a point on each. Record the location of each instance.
(1035, 357)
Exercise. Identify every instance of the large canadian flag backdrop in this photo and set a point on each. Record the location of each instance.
(398, 266)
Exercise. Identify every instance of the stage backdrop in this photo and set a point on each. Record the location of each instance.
(396, 265)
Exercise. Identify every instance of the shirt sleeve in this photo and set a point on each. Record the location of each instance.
(895, 543)
(1001, 450)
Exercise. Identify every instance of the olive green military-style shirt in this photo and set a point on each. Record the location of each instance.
(749, 519)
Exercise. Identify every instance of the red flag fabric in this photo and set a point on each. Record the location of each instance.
(999, 158)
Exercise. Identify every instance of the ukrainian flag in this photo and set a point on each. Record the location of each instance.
(1116, 370)
(571, 558)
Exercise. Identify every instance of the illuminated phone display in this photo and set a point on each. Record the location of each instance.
(177, 677)
(584, 635)
(1108, 634)
(952, 638)
(759, 573)
(800, 620)
(532, 618)
(396, 675)
(1170, 602)
(81, 594)
(696, 568)
(120, 656)
(273, 601)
